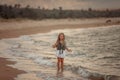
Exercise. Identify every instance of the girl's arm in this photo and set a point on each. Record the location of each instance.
(54, 46)
(69, 50)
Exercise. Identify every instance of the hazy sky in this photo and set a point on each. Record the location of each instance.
(67, 4)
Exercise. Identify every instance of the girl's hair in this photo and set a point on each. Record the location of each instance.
(58, 39)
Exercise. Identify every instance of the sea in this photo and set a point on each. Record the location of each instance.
(95, 54)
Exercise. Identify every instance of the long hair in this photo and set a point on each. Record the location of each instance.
(58, 39)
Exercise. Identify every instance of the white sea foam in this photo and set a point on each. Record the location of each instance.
(96, 51)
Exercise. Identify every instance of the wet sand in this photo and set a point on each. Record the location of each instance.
(6, 72)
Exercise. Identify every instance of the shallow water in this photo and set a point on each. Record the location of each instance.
(96, 53)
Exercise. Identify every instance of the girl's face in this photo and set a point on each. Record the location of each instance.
(61, 37)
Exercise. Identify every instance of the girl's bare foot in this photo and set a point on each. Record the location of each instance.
(62, 70)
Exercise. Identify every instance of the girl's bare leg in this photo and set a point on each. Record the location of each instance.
(62, 64)
(58, 64)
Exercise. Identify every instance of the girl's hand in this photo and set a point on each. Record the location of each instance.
(53, 46)
(69, 50)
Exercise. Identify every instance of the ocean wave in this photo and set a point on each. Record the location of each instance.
(96, 51)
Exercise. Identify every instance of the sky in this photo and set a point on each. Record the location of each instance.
(67, 4)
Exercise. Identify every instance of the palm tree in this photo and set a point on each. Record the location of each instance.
(90, 9)
(18, 5)
(28, 6)
(15, 6)
(60, 8)
(38, 7)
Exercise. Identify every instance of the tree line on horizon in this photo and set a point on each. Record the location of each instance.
(16, 11)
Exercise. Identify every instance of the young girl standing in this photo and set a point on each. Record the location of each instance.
(60, 45)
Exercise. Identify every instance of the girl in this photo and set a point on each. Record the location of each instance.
(60, 45)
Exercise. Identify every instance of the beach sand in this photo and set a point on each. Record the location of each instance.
(12, 29)
(6, 72)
